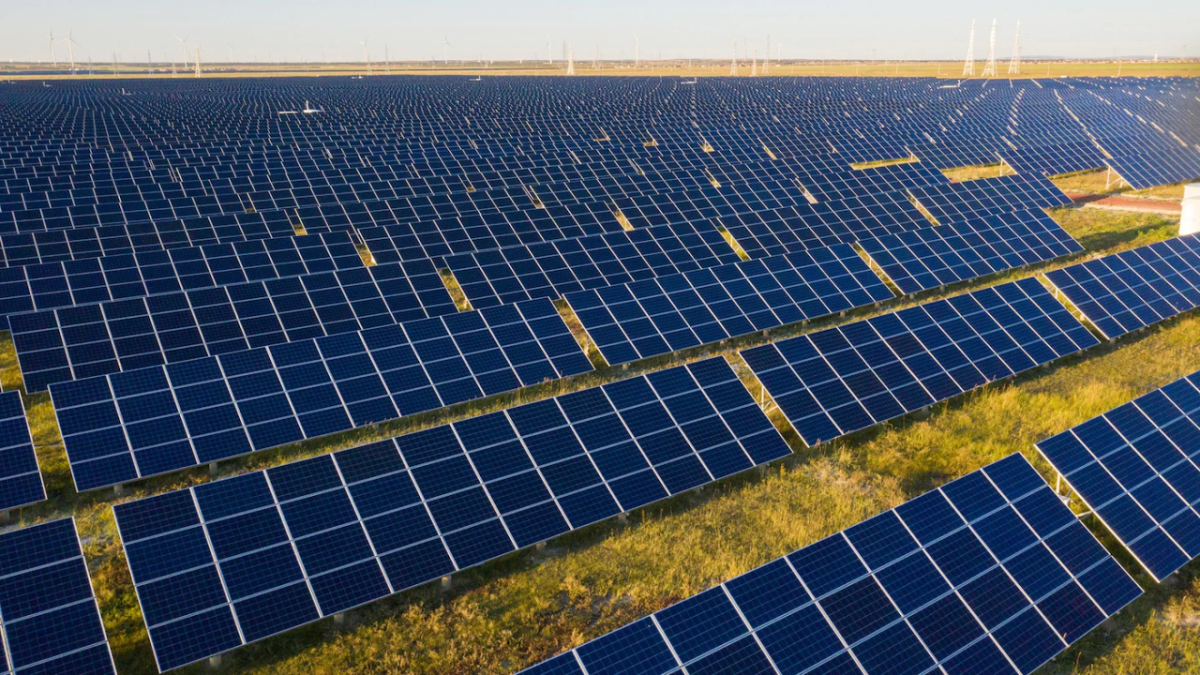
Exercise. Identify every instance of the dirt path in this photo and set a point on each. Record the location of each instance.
(1164, 207)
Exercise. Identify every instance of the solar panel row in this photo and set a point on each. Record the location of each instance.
(657, 316)
(50, 619)
(989, 573)
(134, 275)
(1135, 467)
(233, 561)
(138, 423)
(836, 381)
(988, 196)
(551, 270)
(1133, 289)
(20, 479)
(79, 342)
(929, 258)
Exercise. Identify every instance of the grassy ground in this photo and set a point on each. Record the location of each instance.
(583, 66)
(1101, 182)
(512, 612)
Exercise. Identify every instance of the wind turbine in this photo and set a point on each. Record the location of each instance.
(366, 54)
(71, 48)
(446, 50)
(183, 46)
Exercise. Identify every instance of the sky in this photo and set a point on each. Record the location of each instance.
(319, 30)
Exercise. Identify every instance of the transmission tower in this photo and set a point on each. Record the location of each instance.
(1014, 66)
(989, 68)
(570, 61)
(733, 63)
(197, 62)
(969, 64)
(767, 56)
(754, 65)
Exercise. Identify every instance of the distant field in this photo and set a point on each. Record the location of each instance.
(708, 68)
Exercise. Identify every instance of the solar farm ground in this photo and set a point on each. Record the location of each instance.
(530, 605)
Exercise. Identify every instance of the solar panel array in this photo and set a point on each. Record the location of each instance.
(120, 427)
(836, 381)
(233, 561)
(989, 573)
(1133, 289)
(48, 612)
(551, 270)
(79, 342)
(657, 316)
(929, 258)
(1135, 467)
(20, 479)
(189, 289)
(93, 280)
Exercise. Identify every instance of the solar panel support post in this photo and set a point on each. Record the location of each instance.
(540, 546)
(214, 662)
(212, 468)
(118, 489)
(5, 516)
(623, 518)
(447, 582)
(339, 618)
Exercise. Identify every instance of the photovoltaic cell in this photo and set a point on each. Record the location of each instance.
(990, 573)
(657, 316)
(1135, 466)
(233, 561)
(957, 202)
(79, 342)
(138, 423)
(1126, 291)
(553, 269)
(936, 256)
(843, 379)
(50, 619)
(20, 479)
(133, 275)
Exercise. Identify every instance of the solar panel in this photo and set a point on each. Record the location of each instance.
(50, 619)
(1135, 467)
(78, 342)
(1126, 291)
(836, 381)
(1150, 167)
(656, 316)
(121, 427)
(551, 270)
(989, 573)
(236, 560)
(89, 281)
(20, 479)
(1056, 159)
(988, 196)
(933, 257)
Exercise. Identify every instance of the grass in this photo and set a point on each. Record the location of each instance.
(507, 614)
(1101, 183)
(963, 174)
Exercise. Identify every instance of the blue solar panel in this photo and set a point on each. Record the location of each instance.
(551, 270)
(79, 342)
(936, 256)
(20, 479)
(843, 379)
(1133, 289)
(990, 573)
(233, 561)
(133, 275)
(988, 196)
(50, 619)
(657, 316)
(1135, 467)
(138, 423)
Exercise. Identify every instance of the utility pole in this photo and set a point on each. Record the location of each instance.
(969, 64)
(989, 68)
(1014, 66)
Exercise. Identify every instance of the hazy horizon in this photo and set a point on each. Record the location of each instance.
(308, 31)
